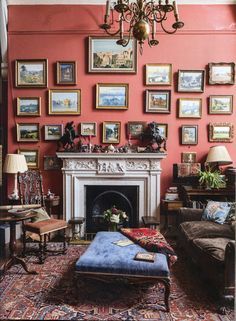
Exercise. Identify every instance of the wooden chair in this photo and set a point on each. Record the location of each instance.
(31, 192)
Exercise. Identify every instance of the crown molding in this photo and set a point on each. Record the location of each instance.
(102, 2)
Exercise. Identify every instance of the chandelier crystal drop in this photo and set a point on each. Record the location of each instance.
(142, 18)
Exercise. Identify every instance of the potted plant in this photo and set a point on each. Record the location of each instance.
(211, 179)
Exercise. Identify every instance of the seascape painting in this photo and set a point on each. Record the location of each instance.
(31, 73)
(64, 102)
(106, 56)
(29, 106)
(112, 96)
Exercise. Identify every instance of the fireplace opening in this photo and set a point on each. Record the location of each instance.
(100, 198)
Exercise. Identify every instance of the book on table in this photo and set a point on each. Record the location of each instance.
(145, 256)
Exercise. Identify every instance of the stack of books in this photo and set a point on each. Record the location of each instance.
(172, 194)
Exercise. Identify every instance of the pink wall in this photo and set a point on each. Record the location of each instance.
(60, 33)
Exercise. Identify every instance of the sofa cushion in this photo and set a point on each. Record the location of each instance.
(216, 212)
(213, 248)
(231, 217)
(205, 229)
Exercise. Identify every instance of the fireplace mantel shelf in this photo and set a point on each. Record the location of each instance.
(81, 170)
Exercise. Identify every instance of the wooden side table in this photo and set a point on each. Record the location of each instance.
(51, 202)
(170, 208)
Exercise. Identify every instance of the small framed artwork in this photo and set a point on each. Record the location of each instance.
(31, 73)
(111, 132)
(112, 96)
(31, 156)
(188, 157)
(88, 129)
(28, 106)
(135, 129)
(163, 130)
(221, 104)
(66, 72)
(105, 56)
(159, 74)
(190, 108)
(191, 80)
(189, 134)
(222, 73)
(51, 163)
(221, 132)
(53, 132)
(64, 102)
(158, 101)
(28, 132)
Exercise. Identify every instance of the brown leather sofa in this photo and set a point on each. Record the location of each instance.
(212, 247)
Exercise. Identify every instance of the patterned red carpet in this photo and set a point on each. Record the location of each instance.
(52, 294)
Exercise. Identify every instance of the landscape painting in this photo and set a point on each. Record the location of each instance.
(158, 101)
(221, 104)
(53, 132)
(221, 73)
(190, 107)
(88, 129)
(191, 80)
(31, 73)
(27, 132)
(111, 132)
(112, 96)
(158, 74)
(221, 132)
(28, 106)
(105, 56)
(31, 156)
(64, 102)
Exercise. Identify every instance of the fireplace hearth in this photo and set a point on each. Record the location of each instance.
(101, 198)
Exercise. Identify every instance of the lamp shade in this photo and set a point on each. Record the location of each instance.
(15, 163)
(219, 155)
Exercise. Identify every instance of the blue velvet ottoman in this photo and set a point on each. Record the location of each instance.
(104, 258)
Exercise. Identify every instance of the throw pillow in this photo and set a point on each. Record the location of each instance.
(216, 212)
(42, 215)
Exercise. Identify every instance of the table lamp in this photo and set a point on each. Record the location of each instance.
(15, 163)
(217, 156)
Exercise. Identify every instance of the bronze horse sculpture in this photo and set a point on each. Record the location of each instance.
(152, 134)
(66, 142)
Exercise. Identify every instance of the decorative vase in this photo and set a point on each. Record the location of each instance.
(112, 227)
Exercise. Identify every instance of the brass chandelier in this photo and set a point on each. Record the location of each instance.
(142, 16)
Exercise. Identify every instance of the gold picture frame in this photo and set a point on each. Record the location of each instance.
(31, 156)
(31, 73)
(222, 73)
(190, 107)
(28, 106)
(112, 96)
(66, 72)
(27, 132)
(159, 74)
(221, 132)
(221, 104)
(111, 132)
(88, 129)
(64, 101)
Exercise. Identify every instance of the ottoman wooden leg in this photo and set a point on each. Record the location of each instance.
(167, 294)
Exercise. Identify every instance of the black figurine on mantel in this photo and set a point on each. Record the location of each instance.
(157, 143)
(66, 142)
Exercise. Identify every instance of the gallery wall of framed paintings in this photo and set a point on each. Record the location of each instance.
(186, 84)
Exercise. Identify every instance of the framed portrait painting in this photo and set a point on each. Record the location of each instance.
(135, 129)
(159, 74)
(28, 106)
(112, 96)
(28, 132)
(53, 132)
(31, 73)
(221, 132)
(31, 156)
(64, 102)
(51, 163)
(88, 129)
(66, 72)
(111, 132)
(158, 101)
(191, 80)
(105, 56)
(189, 134)
(221, 104)
(222, 73)
(190, 108)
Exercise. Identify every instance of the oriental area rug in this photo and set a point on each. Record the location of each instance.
(54, 295)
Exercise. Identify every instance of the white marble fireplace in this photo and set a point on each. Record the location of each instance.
(135, 169)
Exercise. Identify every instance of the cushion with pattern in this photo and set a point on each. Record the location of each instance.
(216, 212)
